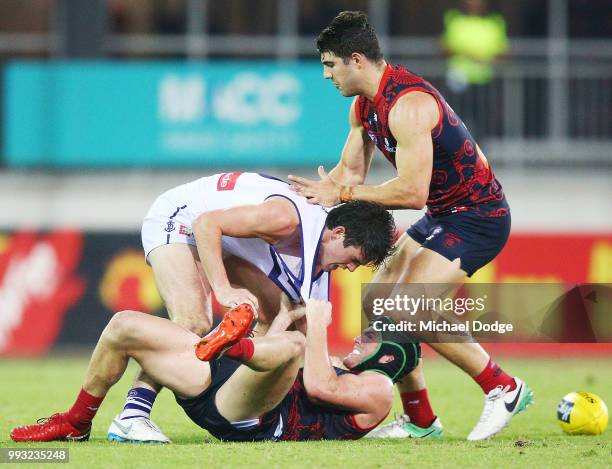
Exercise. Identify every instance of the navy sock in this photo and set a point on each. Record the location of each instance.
(138, 403)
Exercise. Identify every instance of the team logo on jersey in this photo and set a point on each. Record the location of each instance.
(372, 135)
(388, 147)
(451, 240)
(439, 177)
(437, 230)
(185, 230)
(170, 226)
(227, 181)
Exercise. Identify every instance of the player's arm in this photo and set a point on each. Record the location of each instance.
(356, 157)
(270, 221)
(411, 121)
(366, 393)
(289, 313)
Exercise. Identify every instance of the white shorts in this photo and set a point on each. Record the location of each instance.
(168, 221)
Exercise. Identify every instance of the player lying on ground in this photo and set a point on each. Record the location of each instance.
(246, 238)
(439, 165)
(261, 395)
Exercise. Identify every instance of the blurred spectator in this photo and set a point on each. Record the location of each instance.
(474, 40)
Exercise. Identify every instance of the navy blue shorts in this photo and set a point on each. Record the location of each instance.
(474, 238)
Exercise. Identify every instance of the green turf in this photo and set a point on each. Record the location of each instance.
(32, 389)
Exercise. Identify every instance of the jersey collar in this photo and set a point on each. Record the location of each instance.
(381, 86)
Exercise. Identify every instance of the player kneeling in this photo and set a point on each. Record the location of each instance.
(257, 390)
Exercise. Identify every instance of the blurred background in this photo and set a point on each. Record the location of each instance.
(105, 104)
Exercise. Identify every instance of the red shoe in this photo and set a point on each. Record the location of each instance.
(54, 428)
(233, 327)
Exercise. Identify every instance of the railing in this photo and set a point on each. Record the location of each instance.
(551, 99)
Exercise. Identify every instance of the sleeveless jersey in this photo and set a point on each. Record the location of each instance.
(461, 178)
(295, 276)
(305, 420)
(295, 418)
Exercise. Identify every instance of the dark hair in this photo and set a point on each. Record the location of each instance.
(347, 33)
(367, 225)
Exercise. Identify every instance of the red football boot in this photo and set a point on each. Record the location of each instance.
(233, 327)
(54, 428)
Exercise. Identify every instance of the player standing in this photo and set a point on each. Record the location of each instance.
(440, 165)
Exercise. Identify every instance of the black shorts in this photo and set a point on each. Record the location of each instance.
(474, 238)
(202, 409)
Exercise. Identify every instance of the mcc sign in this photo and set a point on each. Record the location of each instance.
(170, 114)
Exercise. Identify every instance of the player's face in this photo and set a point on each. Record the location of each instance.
(336, 255)
(363, 345)
(342, 75)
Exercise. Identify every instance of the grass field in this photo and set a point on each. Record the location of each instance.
(30, 389)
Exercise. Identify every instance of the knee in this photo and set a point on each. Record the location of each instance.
(193, 314)
(199, 326)
(121, 327)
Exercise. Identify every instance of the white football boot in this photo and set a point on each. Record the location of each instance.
(499, 408)
(136, 430)
(402, 427)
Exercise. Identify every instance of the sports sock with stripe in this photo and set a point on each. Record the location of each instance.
(138, 403)
(83, 410)
(493, 376)
(417, 407)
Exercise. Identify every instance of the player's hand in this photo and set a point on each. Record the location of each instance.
(319, 311)
(232, 297)
(297, 313)
(294, 312)
(324, 192)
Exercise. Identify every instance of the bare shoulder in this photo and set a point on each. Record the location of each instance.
(281, 209)
(417, 110)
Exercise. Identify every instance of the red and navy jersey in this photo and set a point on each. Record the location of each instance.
(296, 418)
(304, 420)
(461, 178)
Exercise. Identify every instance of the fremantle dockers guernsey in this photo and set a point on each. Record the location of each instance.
(294, 275)
(461, 178)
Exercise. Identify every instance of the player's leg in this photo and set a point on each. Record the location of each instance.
(419, 419)
(265, 379)
(441, 263)
(187, 296)
(165, 352)
(499, 387)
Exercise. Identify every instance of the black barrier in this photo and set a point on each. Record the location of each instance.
(60, 288)
(123, 285)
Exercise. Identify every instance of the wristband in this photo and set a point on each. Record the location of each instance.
(346, 193)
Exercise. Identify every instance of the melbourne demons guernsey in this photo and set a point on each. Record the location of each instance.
(296, 276)
(461, 178)
(304, 420)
